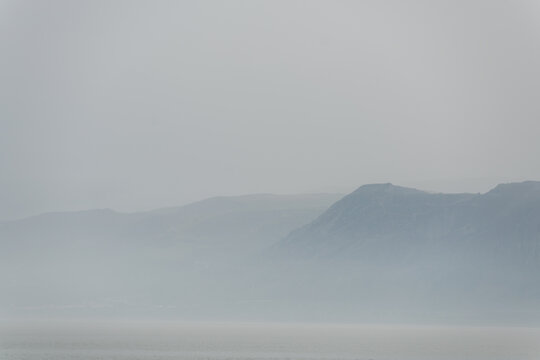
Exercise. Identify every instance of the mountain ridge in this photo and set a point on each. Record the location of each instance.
(381, 252)
(378, 209)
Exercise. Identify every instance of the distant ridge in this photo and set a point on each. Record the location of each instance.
(386, 212)
(381, 253)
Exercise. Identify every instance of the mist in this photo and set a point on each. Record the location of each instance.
(269, 179)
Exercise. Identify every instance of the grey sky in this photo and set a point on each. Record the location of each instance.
(133, 105)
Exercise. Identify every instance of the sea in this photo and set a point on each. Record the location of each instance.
(166, 340)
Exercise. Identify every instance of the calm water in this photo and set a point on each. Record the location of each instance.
(152, 341)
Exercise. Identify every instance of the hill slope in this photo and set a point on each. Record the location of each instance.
(99, 257)
(385, 249)
(374, 216)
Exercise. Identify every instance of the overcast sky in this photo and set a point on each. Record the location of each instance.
(134, 105)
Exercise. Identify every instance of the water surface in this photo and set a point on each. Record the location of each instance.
(92, 340)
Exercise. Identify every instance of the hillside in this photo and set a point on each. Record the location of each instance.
(101, 257)
(376, 216)
(383, 253)
(396, 252)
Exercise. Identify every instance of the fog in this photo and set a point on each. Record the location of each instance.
(381, 254)
(269, 179)
(135, 105)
